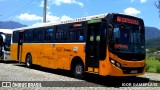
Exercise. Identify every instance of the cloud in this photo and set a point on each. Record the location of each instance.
(49, 17)
(54, 19)
(60, 2)
(29, 17)
(132, 11)
(64, 18)
(132, 0)
(142, 1)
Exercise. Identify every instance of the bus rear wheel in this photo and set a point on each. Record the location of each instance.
(28, 61)
(78, 71)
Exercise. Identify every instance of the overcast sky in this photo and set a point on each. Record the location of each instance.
(30, 12)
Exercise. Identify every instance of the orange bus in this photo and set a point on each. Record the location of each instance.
(107, 44)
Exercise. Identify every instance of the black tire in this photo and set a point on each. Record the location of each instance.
(28, 61)
(78, 71)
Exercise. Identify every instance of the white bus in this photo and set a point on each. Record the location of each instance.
(5, 41)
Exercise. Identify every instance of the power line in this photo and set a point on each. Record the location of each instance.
(19, 9)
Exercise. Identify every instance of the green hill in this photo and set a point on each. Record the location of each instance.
(153, 44)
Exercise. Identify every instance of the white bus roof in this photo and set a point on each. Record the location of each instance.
(7, 31)
(67, 21)
(63, 22)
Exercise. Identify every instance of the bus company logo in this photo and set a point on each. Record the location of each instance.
(6, 84)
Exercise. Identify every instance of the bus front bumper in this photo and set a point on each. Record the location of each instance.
(126, 71)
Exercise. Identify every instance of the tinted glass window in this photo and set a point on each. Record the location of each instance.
(38, 35)
(76, 35)
(49, 34)
(61, 33)
(28, 35)
(15, 37)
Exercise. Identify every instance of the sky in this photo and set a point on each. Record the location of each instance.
(30, 12)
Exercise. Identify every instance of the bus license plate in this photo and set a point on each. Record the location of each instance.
(134, 71)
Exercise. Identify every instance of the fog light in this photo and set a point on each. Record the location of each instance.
(118, 64)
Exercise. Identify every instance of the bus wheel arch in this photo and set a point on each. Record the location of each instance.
(77, 67)
(28, 60)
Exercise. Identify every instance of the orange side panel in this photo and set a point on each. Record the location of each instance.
(13, 54)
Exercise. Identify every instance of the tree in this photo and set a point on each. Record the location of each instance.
(158, 6)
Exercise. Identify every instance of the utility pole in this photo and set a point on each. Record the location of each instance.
(44, 11)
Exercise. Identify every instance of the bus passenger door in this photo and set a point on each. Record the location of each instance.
(92, 47)
(20, 43)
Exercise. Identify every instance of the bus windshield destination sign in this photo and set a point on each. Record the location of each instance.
(127, 20)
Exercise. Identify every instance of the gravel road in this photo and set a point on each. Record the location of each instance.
(62, 80)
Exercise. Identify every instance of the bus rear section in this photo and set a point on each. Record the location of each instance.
(108, 44)
(5, 42)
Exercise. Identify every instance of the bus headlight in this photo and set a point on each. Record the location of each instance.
(117, 64)
(112, 61)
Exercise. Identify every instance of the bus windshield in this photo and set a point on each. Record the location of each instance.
(128, 39)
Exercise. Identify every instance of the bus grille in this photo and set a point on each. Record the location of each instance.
(127, 70)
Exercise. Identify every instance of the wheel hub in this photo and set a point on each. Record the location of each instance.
(79, 69)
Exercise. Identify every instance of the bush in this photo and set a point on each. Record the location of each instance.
(158, 69)
(152, 70)
(153, 64)
(147, 68)
(157, 58)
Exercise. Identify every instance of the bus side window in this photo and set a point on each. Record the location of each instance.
(58, 36)
(38, 35)
(15, 37)
(28, 36)
(64, 36)
(80, 35)
(76, 35)
(71, 35)
(61, 33)
(49, 34)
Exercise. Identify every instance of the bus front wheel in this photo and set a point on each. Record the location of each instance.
(78, 71)
(28, 61)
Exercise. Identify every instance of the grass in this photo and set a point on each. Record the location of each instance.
(153, 64)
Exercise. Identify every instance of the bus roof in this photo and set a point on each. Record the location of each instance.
(6, 31)
(67, 21)
(63, 22)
